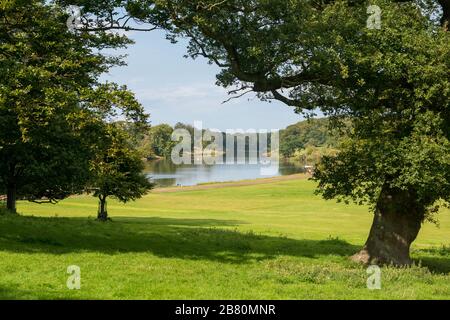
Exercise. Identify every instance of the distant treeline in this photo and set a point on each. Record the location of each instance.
(310, 137)
(312, 133)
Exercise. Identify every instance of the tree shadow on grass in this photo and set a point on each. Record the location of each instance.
(9, 293)
(437, 260)
(195, 239)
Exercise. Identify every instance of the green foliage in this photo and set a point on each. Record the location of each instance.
(406, 158)
(117, 169)
(309, 133)
(400, 144)
(53, 108)
(312, 155)
(157, 142)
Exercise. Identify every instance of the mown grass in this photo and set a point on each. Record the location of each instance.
(268, 241)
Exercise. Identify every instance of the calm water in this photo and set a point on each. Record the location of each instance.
(164, 173)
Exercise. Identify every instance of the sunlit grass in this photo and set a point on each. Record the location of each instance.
(268, 241)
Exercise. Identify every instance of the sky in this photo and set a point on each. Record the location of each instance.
(175, 89)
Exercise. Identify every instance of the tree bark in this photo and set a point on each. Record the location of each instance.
(11, 197)
(396, 224)
(102, 212)
(445, 20)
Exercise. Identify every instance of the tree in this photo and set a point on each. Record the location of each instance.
(162, 143)
(156, 142)
(51, 101)
(391, 84)
(117, 171)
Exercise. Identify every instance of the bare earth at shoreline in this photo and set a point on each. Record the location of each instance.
(230, 184)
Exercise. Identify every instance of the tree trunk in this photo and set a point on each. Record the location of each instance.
(396, 224)
(102, 211)
(445, 20)
(11, 197)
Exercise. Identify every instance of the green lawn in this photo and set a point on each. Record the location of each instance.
(268, 241)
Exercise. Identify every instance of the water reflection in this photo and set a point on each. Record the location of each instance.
(164, 173)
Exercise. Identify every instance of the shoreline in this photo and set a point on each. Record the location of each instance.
(230, 184)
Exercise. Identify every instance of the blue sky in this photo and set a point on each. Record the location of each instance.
(175, 89)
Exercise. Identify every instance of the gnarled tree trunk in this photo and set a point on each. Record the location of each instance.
(396, 224)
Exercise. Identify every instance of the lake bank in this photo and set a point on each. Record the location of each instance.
(166, 174)
(231, 184)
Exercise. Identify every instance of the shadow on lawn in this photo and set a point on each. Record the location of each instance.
(436, 260)
(9, 293)
(163, 237)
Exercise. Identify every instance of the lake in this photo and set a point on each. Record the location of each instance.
(165, 174)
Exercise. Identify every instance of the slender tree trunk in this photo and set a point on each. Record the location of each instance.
(11, 197)
(102, 212)
(396, 224)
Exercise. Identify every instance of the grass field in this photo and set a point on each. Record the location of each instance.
(264, 241)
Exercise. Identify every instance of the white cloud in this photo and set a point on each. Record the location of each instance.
(193, 93)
